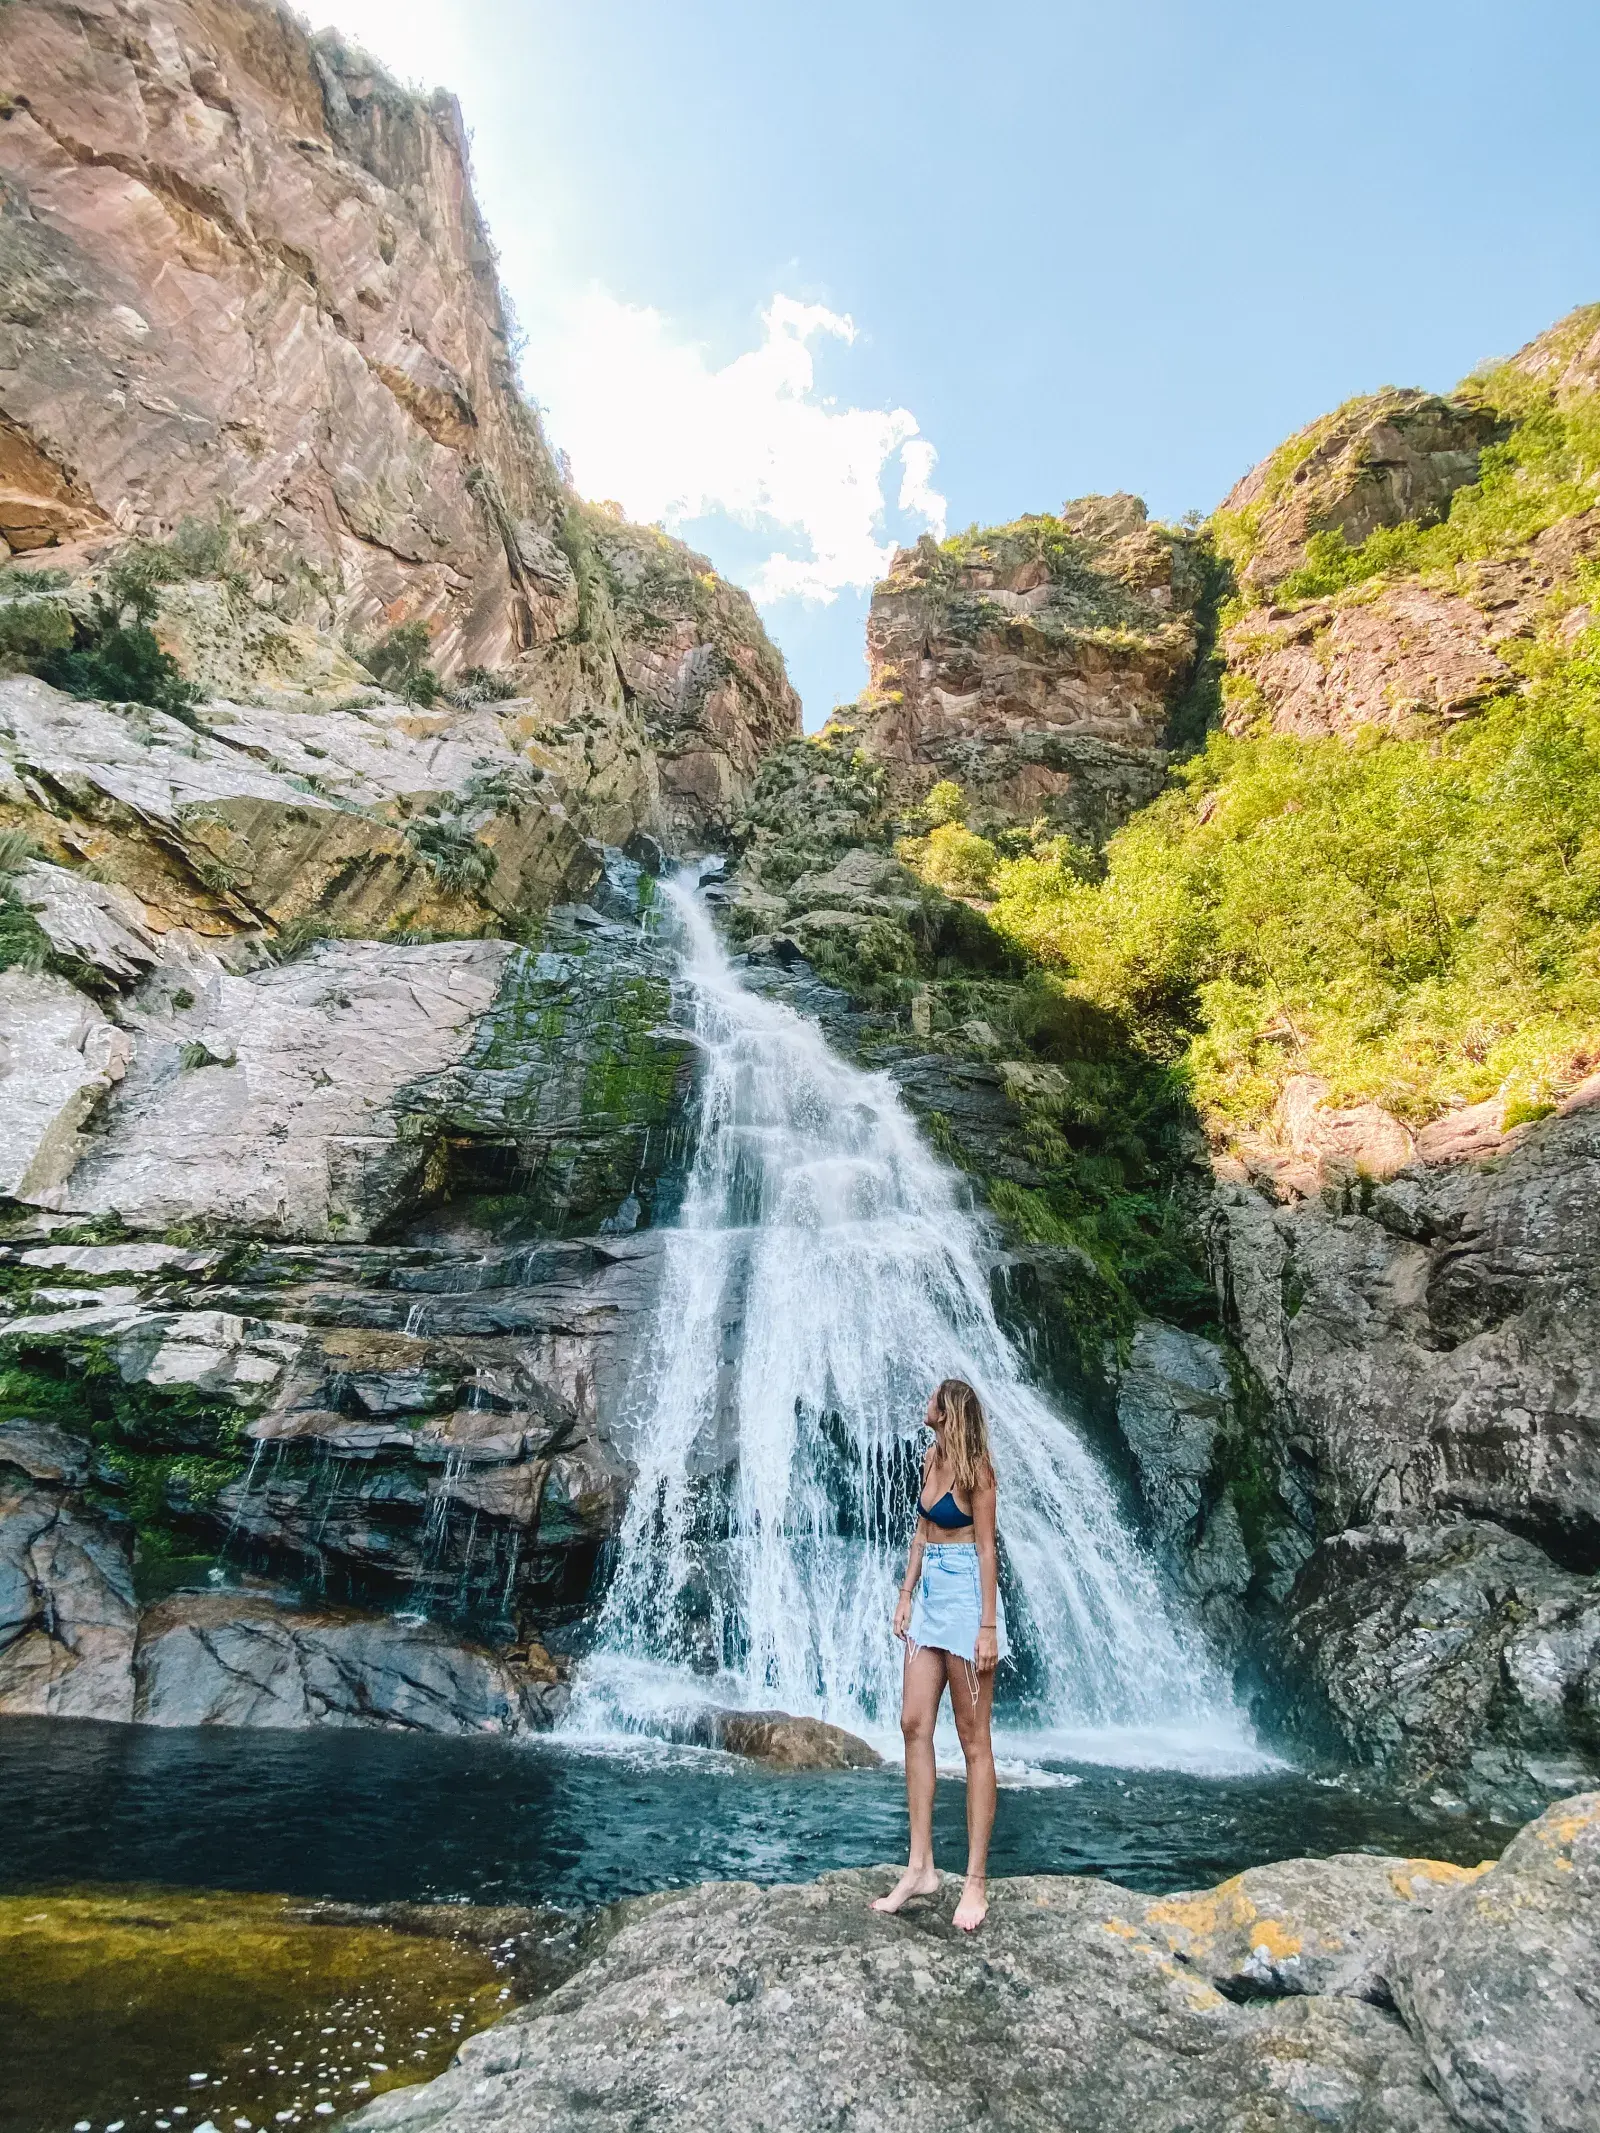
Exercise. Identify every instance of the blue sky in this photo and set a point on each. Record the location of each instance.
(772, 259)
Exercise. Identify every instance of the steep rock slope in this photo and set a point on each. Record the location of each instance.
(1035, 664)
(243, 275)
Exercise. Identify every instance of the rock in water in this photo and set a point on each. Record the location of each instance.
(209, 1659)
(781, 1741)
(1502, 1985)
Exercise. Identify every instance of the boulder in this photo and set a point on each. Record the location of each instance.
(1500, 1985)
(1305, 1925)
(232, 1659)
(781, 1741)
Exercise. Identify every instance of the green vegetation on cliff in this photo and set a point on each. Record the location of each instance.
(1416, 919)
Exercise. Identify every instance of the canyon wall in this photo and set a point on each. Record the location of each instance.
(243, 277)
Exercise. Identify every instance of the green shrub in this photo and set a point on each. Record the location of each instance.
(954, 859)
(399, 660)
(945, 803)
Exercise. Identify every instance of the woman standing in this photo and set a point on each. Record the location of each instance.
(954, 1632)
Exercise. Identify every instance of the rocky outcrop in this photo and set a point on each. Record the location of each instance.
(256, 273)
(709, 684)
(1035, 664)
(1375, 461)
(1423, 1437)
(1267, 2002)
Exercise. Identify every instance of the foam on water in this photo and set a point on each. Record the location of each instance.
(825, 1274)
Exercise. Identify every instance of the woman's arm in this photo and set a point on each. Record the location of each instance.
(902, 1606)
(987, 1656)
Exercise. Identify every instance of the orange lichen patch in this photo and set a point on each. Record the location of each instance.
(1437, 1872)
(1278, 1941)
(1563, 1827)
(1120, 1927)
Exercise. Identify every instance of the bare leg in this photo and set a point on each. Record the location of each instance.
(971, 1702)
(919, 1707)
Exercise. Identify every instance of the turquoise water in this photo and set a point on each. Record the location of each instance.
(369, 1817)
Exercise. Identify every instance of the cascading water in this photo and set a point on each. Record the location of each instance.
(823, 1276)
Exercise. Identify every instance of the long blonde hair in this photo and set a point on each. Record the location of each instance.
(966, 1435)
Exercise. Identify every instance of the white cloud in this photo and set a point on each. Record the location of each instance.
(649, 422)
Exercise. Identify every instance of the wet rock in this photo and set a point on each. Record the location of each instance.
(781, 1741)
(1175, 1409)
(795, 2008)
(1173, 1397)
(217, 1353)
(226, 1659)
(67, 1611)
(1501, 1985)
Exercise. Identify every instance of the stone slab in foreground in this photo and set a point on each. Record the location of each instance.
(1263, 2004)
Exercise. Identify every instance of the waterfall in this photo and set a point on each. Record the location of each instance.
(824, 1274)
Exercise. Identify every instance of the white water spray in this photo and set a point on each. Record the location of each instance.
(824, 1276)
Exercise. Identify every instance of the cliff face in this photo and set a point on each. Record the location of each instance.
(243, 276)
(1035, 664)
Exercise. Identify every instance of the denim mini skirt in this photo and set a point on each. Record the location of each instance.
(947, 1606)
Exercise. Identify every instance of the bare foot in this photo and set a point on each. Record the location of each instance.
(915, 1881)
(973, 1908)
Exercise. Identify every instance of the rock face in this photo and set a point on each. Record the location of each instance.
(709, 686)
(243, 277)
(1035, 664)
(1267, 2002)
(1393, 455)
(1427, 1444)
(67, 1614)
(257, 272)
(218, 1660)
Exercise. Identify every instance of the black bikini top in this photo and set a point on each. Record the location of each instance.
(946, 1512)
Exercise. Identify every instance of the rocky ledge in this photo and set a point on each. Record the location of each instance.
(1354, 1992)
